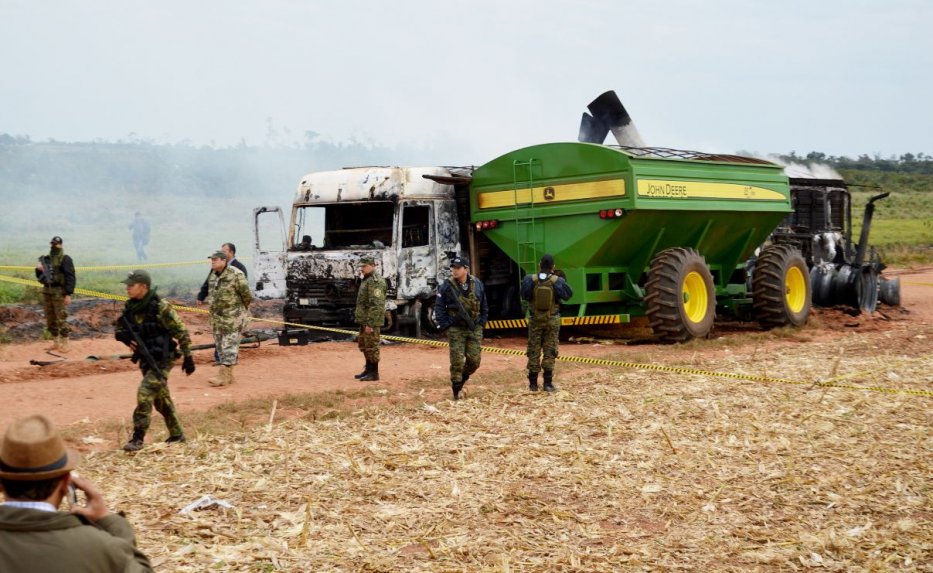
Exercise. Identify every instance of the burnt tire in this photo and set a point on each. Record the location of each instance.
(781, 292)
(890, 291)
(680, 297)
(428, 324)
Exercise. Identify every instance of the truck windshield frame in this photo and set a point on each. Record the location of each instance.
(346, 226)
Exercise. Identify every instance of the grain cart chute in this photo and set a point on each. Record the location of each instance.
(647, 232)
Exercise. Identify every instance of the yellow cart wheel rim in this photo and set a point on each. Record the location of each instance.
(696, 299)
(795, 290)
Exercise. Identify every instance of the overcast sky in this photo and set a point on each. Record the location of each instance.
(472, 79)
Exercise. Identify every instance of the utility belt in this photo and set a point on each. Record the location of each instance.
(163, 350)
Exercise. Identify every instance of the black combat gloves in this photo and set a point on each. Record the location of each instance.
(124, 337)
(188, 365)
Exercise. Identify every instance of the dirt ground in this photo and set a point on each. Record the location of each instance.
(77, 390)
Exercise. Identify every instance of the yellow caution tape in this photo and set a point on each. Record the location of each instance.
(142, 266)
(564, 321)
(920, 284)
(514, 352)
(622, 364)
(123, 267)
(888, 366)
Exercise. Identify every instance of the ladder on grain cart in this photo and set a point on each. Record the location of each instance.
(530, 245)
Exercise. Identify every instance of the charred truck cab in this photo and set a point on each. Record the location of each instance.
(405, 218)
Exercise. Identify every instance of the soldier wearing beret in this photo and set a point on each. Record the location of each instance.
(370, 313)
(461, 310)
(148, 319)
(230, 298)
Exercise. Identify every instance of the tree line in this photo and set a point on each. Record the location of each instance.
(142, 167)
(904, 163)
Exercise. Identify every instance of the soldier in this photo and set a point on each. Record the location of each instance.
(229, 249)
(544, 292)
(230, 299)
(151, 327)
(56, 272)
(370, 313)
(461, 310)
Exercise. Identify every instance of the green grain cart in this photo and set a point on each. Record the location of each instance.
(650, 232)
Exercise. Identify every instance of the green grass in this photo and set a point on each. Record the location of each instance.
(901, 228)
(183, 229)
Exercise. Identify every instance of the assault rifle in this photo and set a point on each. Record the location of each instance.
(142, 350)
(48, 272)
(463, 313)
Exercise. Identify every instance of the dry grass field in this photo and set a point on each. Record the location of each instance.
(620, 470)
(787, 450)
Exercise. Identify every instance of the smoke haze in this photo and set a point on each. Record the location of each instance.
(463, 83)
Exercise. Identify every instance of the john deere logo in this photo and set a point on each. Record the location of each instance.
(549, 193)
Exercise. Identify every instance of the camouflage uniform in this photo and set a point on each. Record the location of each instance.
(465, 343)
(543, 333)
(57, 284)
(230, 299)
(370, 311)
(158, 324)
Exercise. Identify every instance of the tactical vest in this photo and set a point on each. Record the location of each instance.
(53, 275)
(157, 338)
(543, 300)
(468, 300)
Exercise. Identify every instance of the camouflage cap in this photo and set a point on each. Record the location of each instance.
(138, 276)
(367, 260)
(218, 255)
(460, 261)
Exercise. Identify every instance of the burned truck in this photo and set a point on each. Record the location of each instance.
(405, 218)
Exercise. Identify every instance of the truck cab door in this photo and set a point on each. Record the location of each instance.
(269, 252)
(417, 260)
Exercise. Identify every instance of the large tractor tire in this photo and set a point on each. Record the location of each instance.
(681, 298)
(781, 293)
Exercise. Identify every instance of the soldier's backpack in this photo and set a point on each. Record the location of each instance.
(543, 301)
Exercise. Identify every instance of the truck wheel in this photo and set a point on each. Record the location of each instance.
(890, 292)
(680, 299)
(781, 291)
(428, 324)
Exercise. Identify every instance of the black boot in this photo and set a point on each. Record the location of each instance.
(364, 372)
(136, 442)
(548, 381)
(456, 387)
(533, 381)
(373, 374)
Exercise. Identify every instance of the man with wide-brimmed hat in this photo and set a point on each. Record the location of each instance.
(56, 272)
(149, 320)
(35, 473)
